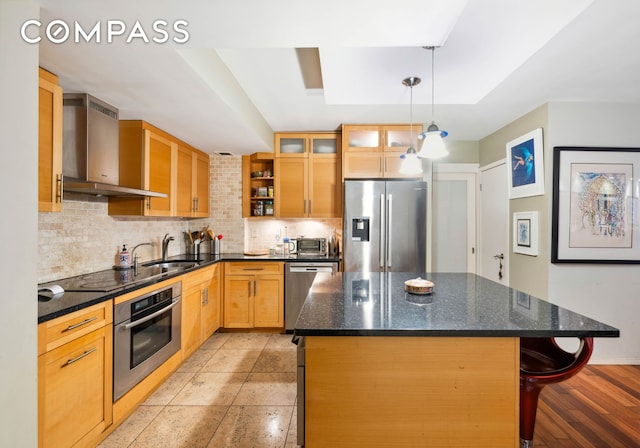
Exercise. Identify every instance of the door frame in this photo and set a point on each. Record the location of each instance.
(464, 171)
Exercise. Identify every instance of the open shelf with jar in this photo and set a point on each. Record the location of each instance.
(258, 185)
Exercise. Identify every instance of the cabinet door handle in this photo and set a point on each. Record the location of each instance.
(255, 288)
(149, 203)
(250, 293)
(310, 207)
(78, 358)
(194, 207)
(252, 269)
(80, 324)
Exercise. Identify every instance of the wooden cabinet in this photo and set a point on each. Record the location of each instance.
(253, 295)
(373, 151)
(49, 143)
(147, 156)
(151, 159)
(192, 189)
(75, 379)
(258, 185)
(200, 307)
(308, 181)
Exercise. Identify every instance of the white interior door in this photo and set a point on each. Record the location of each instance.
(454, 222)
(494, 223)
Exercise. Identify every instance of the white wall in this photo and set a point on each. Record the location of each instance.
(608, 293)
(18, 227)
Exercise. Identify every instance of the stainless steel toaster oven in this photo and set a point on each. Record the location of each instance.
(311, 246)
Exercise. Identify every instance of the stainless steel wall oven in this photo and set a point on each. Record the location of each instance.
(146, 333)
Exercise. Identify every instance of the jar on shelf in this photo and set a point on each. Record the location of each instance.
(268, 208)
(270, 191)
(258, 209)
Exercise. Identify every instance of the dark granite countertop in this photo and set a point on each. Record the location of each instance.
(124, 281)
(376, 304)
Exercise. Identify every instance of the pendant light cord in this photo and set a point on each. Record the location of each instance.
(411, 117)
(433, 82)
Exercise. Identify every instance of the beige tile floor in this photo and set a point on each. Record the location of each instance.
(238, 390)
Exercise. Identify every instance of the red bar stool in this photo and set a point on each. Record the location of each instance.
(543, 362)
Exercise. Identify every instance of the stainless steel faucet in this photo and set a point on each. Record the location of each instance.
(165, 245)
(135, 257)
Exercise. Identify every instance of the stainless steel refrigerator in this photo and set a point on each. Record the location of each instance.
(385, 224)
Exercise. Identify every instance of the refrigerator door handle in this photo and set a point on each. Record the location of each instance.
(390, 231)
(383, 218)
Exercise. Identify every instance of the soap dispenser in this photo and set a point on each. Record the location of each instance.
(125, 257)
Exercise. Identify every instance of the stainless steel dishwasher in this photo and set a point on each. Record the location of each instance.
(298, 277)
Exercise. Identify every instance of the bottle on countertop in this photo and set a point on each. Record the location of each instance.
(124, 257)
(331, 249)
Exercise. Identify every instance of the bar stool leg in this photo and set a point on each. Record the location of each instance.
(529, 394)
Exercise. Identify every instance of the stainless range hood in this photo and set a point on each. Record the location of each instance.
(90, 154)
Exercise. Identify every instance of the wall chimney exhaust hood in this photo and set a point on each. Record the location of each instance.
(90, 153)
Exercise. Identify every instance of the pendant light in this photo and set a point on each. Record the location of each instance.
(433, 146)
(410, 163)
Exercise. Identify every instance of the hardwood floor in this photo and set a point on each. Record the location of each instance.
(598, 408)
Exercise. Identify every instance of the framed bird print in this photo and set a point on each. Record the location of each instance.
(525, 165)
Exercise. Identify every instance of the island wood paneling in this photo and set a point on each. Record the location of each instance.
(411, 391)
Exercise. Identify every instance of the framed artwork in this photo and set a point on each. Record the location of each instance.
(595, 208)
(525, 233)
(526, 171)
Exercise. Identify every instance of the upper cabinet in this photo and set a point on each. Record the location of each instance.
(192, 190)
(146, 157)
(49, 143)
(373, 151)
(307, 170)
(153, 160)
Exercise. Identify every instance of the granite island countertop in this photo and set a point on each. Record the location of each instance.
(376, 304)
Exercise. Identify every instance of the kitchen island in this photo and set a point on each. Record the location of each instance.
(379, 367)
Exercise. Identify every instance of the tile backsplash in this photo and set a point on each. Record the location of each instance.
(83, 238)
(260, 234)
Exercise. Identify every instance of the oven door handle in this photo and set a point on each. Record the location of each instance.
(173, 303)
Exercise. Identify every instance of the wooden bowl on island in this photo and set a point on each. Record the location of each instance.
(418, 286)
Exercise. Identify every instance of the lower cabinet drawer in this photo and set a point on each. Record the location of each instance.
(61, 330)
(253, 268)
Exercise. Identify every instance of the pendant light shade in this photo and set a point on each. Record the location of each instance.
(410, 164)
(433, 146)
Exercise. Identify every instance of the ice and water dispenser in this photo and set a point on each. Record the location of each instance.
(360, 229)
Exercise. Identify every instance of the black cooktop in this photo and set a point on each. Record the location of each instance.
(109, 280)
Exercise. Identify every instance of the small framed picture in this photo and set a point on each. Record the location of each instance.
(526, 170)
(525, 233)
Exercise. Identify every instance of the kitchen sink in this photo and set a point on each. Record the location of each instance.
(185, 264)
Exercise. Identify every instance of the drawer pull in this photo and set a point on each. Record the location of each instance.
(253, 269)
(78, 358)
(80, 324)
